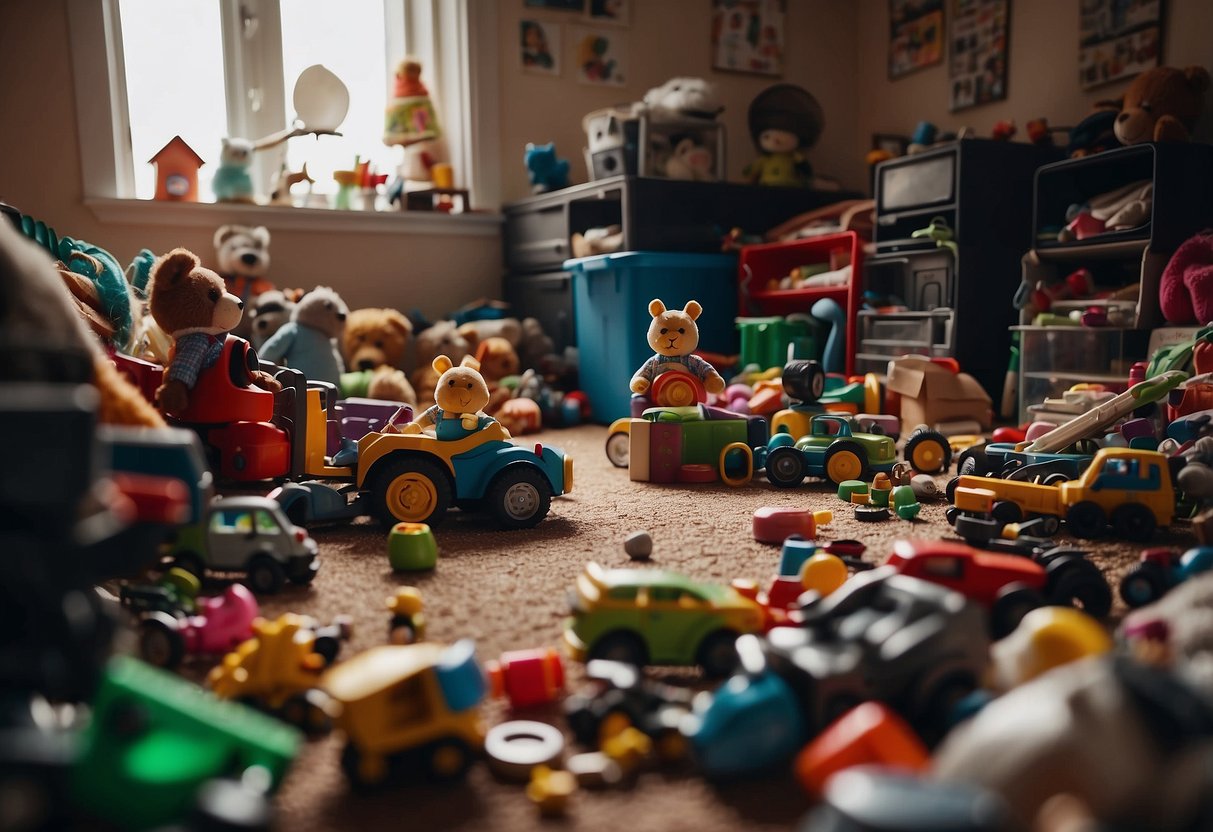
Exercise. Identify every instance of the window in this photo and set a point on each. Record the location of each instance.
(134, 93)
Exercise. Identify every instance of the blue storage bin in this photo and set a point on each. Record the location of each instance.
(611, 294)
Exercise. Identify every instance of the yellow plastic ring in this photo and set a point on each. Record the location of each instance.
(749, 468)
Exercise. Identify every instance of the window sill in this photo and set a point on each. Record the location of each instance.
(278, 218)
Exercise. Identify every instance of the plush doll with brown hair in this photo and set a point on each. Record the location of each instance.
(1162, 105)
(191, 304)
(45, 337)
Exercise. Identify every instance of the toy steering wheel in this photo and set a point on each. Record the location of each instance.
(675, 388)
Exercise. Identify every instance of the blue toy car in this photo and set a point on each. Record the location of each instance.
(1160, 570)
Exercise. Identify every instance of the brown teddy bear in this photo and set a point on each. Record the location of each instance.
(1162, 105)
(498, 359)
(461, 396)
(191, 304)
(441, 338)
(376, 340)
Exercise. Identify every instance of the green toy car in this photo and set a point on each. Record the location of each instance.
(832, 450)
(643, 616)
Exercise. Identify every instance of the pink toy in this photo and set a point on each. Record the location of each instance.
(775, 524)
(1186, 292)
(220, 623)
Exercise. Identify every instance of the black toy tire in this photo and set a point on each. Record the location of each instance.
(785, 467)
(519, 497)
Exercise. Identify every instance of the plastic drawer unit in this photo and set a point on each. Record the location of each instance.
(611, 294)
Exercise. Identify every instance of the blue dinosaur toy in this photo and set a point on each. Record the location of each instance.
(547, 171)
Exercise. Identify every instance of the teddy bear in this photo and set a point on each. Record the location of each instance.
(673, 335)
(376, 340)
(308, 341)
(189, 303)
(461, 395)
(440, 338)
(45, 338)
(498, 360)
(269, 312)
(243, 257)
(1162, 105)
(1185, 292)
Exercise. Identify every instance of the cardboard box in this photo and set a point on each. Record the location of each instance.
(931, 393)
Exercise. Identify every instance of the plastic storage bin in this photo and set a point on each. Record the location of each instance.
(611, 294)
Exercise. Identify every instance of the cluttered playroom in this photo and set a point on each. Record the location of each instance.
(588, 414)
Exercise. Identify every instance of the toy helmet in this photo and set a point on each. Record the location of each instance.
(1046, 638)
(787, 107)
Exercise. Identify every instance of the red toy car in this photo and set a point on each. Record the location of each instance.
(1009, 586)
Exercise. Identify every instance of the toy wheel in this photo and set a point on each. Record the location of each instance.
(1086, 519)
(1133, 521)
(949, 490)
(308, 712)
(304, 578)
(186, 583)
(845, 460)
(1005, 511)
(519, 497)
(677, 389)
(362, 770)
(409, 489)
(448, 759)
(1012, 604)
(1144, 584)
(717, 654)
(1078, 583)
(192, 563)
(159, 642)
(977, 530)
(618, 446)
(265, 575)
(928, 452)
(328, 647)
(785, 467)
(1056, 478)
(620, 646)
(973, 462)
(1050, 524)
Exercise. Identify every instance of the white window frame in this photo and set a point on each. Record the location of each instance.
(444, 34)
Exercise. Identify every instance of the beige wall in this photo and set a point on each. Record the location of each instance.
(40, 174)
(1042, 66)
(669, 38)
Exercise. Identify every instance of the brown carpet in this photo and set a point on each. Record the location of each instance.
(507, 591)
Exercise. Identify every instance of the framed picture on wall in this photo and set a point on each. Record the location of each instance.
(978, 32)
(601, 55)
(915, 35)
(747, 36)
(539, 46)
(1117, 40)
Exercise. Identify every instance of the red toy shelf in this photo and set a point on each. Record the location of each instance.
(760, 264)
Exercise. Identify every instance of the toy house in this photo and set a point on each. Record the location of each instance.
(177, 171)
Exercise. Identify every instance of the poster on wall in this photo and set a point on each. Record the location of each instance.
(977, 42)
(539, 46)
(1117, 40)
(747, 36)
(915, 35)
(601, 55)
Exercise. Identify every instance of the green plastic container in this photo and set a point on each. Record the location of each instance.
(411, 547)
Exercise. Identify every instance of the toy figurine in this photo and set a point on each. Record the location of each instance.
(309, 341)
(242, 255)
(460, 395)
(546, 171)
(673, 336)
(785, 121)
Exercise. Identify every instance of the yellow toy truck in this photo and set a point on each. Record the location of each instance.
(412, 707)
(1129, 489)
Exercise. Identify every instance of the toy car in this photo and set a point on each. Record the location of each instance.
(622, 696)
(411, 707)
(314, 503)
(831, 450)
(216, 625)
(642, 616)
(1009, 586)
(250, 535)
(1160, 570)
(911, 644)
(692, 444)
